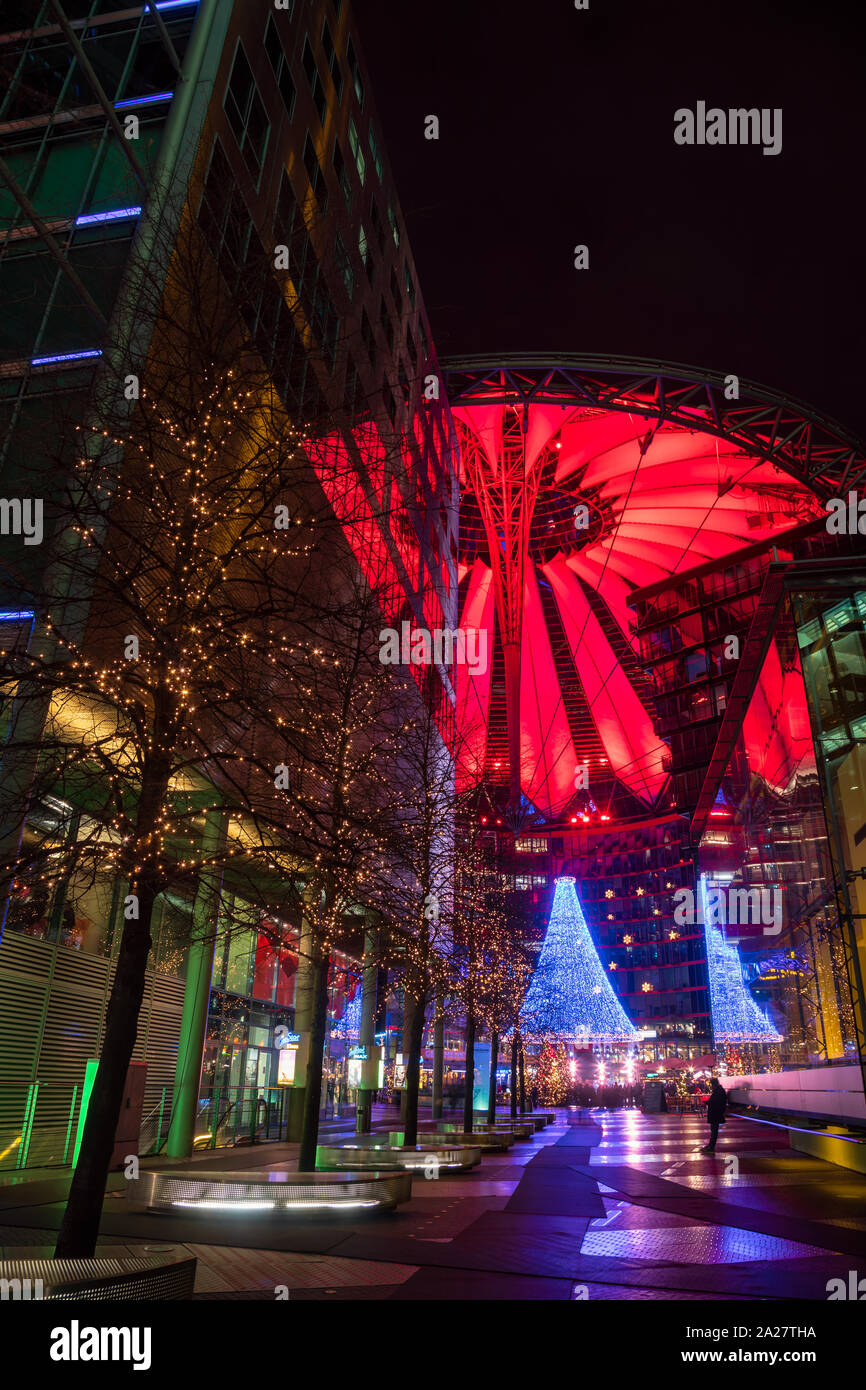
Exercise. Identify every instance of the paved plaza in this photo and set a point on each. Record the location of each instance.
(599, 1205)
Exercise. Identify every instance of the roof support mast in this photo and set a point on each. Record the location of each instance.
(506, 486)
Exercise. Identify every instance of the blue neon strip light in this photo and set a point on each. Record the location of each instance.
(16, 615)
(142, 101)
(65, 357)
(89, 218)
(174, 4)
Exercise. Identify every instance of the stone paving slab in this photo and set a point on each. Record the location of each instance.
(565, 1158)
(498, 1241)
(715, 1210)
(633, 1182)
(464, 1285)
(554, 1191)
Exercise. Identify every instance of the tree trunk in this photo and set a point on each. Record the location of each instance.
(520, 1069)
(438, 1054)
(79, 1228)
(413, 1071)
(494, 1059)
(318, 1028)
(470, 1072)
(514, 1047)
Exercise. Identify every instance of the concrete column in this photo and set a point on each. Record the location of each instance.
(187, 1075)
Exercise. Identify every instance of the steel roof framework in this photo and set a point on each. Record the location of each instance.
(773, 427)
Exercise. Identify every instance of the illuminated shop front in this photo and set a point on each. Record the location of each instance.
(252, 1010)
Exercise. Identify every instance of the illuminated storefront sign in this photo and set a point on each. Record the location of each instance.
(289, 1047)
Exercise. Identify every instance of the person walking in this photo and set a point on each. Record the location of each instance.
(716, 1106)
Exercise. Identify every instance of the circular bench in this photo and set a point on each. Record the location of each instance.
(169, 1275)
(279, 1193)
(489, 1141)
(430, 1156)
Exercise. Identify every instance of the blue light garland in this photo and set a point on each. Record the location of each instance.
(736, 1016)
(569, 995)
(350, 1024)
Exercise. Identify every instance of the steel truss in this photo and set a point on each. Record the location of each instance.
(773, 427)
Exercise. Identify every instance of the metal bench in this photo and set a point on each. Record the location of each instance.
(424, 1157)
(280, 1193)
(126, 1279)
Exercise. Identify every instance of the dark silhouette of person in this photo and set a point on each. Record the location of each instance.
(716, 1106)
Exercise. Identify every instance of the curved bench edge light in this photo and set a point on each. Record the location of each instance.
(99, 1279)
(451, 1158)
(279, 1193)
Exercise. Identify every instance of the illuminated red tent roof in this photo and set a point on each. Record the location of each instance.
(579, 487)
(583, 480)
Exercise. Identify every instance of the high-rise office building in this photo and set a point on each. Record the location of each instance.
(118, 125)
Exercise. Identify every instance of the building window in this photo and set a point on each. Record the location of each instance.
(367, 337)
(246, 113)
(395, 291)
(344, 265)
(325, 321)
(308, 61)
(355, 70)
(378, 225)
(364, 248)
(223, 216)
(286, 211)
(331, 59)
(357, 152)
(354, 393)
(531, 844)
(342, 174)
(374, 151)
(280, 65)
(387, 323)
(395, 230)
(314, 171)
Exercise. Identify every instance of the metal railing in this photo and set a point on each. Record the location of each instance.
(40, 1121)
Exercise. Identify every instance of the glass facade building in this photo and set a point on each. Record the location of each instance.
(258, 122)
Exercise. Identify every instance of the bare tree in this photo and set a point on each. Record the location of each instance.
(151, 705)
(420, 903)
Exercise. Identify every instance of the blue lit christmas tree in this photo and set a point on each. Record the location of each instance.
(349, 1026)
(736, 1016)
(569, 995)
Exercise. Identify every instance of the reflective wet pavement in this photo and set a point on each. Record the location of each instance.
(600, 1205)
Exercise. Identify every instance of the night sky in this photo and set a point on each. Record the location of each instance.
(557, 129)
